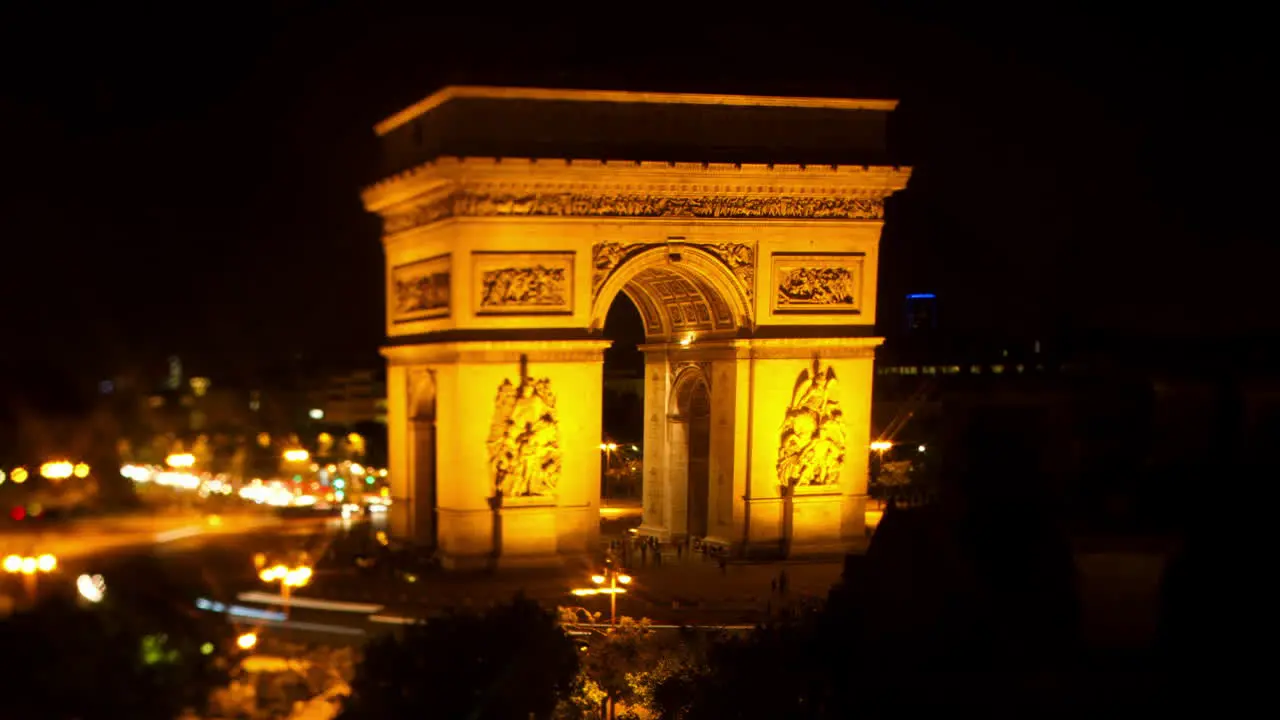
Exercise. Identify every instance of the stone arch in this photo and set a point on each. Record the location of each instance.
(689, 449)
(690, 393)
(678, 289)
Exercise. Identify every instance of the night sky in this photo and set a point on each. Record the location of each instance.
(189, 184)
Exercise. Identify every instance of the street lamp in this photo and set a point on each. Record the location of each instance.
(29, 568)
(288, 577)
(608, 449)
(607, 584)
(247, 641)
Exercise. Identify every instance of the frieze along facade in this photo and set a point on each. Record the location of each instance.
(482, 203)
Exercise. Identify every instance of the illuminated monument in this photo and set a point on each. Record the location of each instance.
(745, 230)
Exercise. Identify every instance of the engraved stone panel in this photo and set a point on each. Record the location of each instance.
(524, 439)
(818, 283)
(811, 445)
(523, 283)
(420, 290)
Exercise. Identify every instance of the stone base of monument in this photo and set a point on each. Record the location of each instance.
(812, 522)
(526, 534)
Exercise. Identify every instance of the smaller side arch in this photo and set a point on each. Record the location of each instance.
(685, 400)
(422, 395)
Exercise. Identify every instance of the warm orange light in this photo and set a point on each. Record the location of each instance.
(13, 564)
(881, 445)
(624, 579)
(247, 641)
(46, 563)
(19, 475)
(264, 440)
(296, 455)
(597, 579)
(56, 470)
(180, 460)
(81, 470)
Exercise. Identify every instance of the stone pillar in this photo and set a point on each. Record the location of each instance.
(399, 475)
(817, 517)
(654, 489)
(537, 405)
(677, 493)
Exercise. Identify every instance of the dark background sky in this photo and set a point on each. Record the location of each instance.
(179, 182)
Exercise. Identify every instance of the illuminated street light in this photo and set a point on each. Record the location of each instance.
(180, 460)
(288, 577)
(247, 641)
(56, 470)
(607, 584)
(81, 470)
(29, 567)
(296, 455)
(91, 587)
(19, 475)
(881, 445)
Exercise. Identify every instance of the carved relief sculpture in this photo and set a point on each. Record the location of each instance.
(478, 202)
(420, 290)
(605, 258)
(818, 283)
(509, 283)
(524, 440)
(812, 444)
(741, 259)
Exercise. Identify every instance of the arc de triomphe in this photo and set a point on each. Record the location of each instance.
(745, 230)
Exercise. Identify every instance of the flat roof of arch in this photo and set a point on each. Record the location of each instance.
(470, 121)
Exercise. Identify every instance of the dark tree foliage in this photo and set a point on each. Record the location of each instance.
(138, 654)
(513, 661)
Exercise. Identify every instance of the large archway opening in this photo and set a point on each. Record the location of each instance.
(668, 312)
(622, 421)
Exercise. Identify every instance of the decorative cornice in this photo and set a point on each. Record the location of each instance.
(479, 203)
(519, 176)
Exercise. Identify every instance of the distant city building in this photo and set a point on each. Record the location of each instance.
(921, 313)
(350, 398)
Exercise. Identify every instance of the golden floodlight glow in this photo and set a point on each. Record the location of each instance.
(19, 475)
(597, 579)
(247, 641)
(56, 470)
(296, 455)
(264, 439)
(180, 460)
(46, 563)
(881, 445)
(13, 563)
(81, 470)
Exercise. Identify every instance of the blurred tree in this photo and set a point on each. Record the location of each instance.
(513, 661)
(138, 654)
